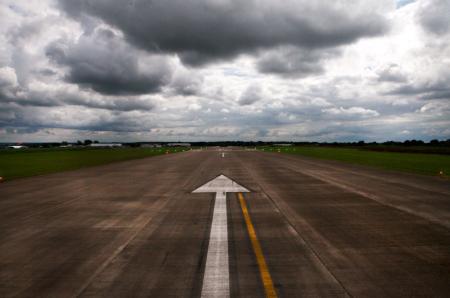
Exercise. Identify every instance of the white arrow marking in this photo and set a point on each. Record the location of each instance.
(216, 281)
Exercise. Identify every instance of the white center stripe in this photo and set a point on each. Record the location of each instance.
(216, 280)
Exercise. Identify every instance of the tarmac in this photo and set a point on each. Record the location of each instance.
(135, 229)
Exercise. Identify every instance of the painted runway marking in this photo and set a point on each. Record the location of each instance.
(263, 269)
(216, 280)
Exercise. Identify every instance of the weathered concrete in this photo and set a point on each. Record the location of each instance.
(135, 229)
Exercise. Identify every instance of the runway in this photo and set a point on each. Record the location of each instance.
(136, 229)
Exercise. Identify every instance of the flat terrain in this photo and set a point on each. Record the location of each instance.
(419, 163)
(135, 229)
(30, 162)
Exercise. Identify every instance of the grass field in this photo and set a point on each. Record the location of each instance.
(29, 162)
(427, 164)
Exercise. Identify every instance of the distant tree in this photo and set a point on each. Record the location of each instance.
(413, 142)
(95, 142)
(79, 143)
(434, 142)
(87, 142)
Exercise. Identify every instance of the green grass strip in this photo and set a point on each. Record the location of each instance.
(30, 162)
(426, 164)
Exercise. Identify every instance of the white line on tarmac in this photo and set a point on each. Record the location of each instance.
(216, 281)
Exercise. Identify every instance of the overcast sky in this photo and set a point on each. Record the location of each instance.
(189, 70)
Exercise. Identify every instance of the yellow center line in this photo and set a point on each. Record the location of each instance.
(263, 269)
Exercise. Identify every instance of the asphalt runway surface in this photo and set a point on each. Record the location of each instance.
(135, 229)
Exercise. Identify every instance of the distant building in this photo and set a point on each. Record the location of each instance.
(179, 145)
(17, 147)
(104, 145)
(151, 146)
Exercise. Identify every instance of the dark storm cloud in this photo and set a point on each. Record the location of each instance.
(429, 90)
(31, 100)
(105, 63)
(118, 123)
(121, 104)
(113, 67)
(343, 131)
(20, 117)
(294, 62)
(435, 17)
(59, 99)
(392, 73)
(425, 92)
(252, 94)
(47, 72)
(202, 31)
(186, 83)
(8, 80)
(21, 130)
